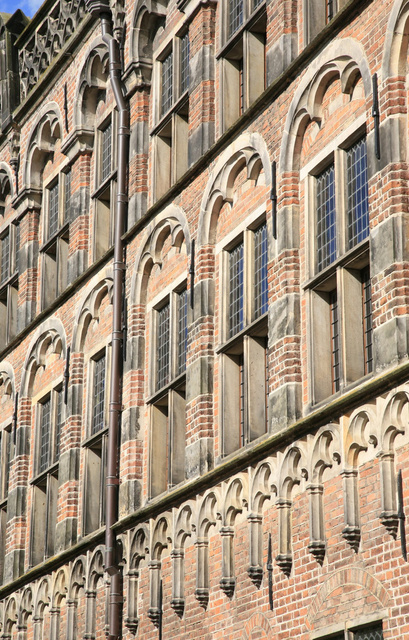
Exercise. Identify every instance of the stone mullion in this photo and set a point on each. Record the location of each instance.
(131, 620)
(352, 529)
(90, 614)
(284, 558)
(255, 569)
(202, 81)
(317, 533)
(202, 571)
(71, 619)
(228, 581)
(178, 578)
(199, 370)
(54, 623)
(17, 496)
(69, 462)
(154, 611)
(282, 43)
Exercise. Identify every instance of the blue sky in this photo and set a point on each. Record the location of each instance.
(29, 7)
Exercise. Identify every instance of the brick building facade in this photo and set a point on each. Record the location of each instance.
(263, 472)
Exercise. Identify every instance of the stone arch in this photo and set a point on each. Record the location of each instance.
(345, 59)
(25, 610)
(95, 600)
(259, 622)
(76, 580)
(45, 132)
(41, 602)
(50, 335)
(355, 577)
(160, 538)
(249, 150)
(235, 498)
(394, 418)
(88, 309)
(170, 222)
(7, 379)
(91, 84)
(6, 182)
(147, 19)
(95, 568)
(394, 62)
(59, 588)
(10, 617)
(260, 492)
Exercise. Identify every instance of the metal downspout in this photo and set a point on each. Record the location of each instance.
(112, 558)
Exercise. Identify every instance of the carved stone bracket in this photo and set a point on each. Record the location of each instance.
(227, 585)
(390, 521)
(202, 596)
(255, 575)
(285, 562)
(352, 534)
(317, 549)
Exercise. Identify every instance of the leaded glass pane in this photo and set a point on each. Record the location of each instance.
(184, 63)
(374, 633)
(163, 346)
(236, 290)
(167, 82)
(326, 224)
(358, 216)
(5, 257)
(182, 330)
(335, 342)
(98, 395)
(235, 16)
(45, 435)
(260, 271)
(106, 152)
(53, 210)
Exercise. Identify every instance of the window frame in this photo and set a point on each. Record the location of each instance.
(55, 247)
(341, 273)
(6, 458)
(167, 402)
(171, 124)
(45, 481)
(9, 285)
(239, 353)
(350, 629)
(105, 186)
(240, 81)
(95, 447)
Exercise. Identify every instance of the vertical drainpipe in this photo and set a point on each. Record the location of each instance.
(102, 9)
